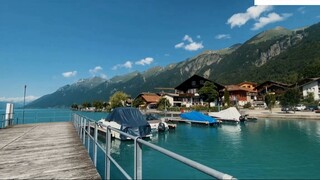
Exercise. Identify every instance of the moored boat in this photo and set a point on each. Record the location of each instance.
(227, 115)
(129, 120)
(195, 117)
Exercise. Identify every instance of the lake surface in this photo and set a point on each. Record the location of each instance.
(267, 148)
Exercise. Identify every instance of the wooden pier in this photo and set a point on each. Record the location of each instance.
(44, 151)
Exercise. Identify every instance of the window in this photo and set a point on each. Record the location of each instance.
(193, 83)
(202, 82)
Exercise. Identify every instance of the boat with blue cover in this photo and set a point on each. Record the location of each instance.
(129, 120)
(198, 118)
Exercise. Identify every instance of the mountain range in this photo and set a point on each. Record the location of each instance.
(278, 54)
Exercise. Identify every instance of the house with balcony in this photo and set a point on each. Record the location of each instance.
(276, 88)
(312, 86)
(241, 94)
(188, 91)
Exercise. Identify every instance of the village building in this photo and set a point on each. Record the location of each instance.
(188, 91)
(313, 86)
(242, 93)
(150, 100)
(273, 87)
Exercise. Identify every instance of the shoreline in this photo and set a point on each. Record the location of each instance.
(277, 113)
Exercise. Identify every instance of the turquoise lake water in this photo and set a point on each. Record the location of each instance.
(266, 149)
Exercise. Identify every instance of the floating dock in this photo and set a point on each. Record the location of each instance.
(44, 151)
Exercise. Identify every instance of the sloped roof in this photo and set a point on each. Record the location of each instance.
(269, 83)
(247, 82)
(238, 88)
(150, 97)
(187, 84)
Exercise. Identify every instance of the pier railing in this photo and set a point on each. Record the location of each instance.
(28, 117)
(84, 128)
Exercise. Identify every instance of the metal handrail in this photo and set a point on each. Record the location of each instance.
(81, 122)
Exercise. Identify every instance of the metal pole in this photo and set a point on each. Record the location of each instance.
(137, 159)
(95, 144)
(108, 149)
(88, 136)
(84, 131)
(24, 102)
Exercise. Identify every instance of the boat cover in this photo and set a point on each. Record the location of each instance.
(228, 114)
(197, 116)
(131, 120)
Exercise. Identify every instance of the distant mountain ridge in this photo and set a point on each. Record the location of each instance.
(278, 54)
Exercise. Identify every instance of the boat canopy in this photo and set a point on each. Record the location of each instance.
(197, 116)
(131, 120)
(228, 114)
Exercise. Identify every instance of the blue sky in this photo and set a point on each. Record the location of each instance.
(46, 44)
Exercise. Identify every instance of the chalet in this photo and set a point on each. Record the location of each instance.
(150, 99)
(312, 86)
(188, 91)
(270, 87)
(241, 94)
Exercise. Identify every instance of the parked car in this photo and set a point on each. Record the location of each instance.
(286, 108)
(312, 107)
(300, 107)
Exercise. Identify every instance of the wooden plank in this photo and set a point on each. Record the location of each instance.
(44, 151)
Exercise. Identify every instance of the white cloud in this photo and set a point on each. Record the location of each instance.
(302, 10)
(198, 36)
(145, 61)
(252, 12)
(69, 74)
(95, 70)
(194, 46)
(223, 36)
(127, 65)
(103, 76)
(187, 38)
(189, 44)
(180, 45)
(271, 18)
(18, 99)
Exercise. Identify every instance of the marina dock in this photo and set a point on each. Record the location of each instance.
(44, 151)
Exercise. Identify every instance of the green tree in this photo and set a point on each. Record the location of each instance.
(118, 99)
(75, 106)
(290, 98)
(226, 96)
(86, 105)
(163, 104)
(97, 105)
(270, 100)
(137, 102)
(309, 99)
(208, 92)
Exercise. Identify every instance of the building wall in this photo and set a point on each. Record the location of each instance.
(311, 87)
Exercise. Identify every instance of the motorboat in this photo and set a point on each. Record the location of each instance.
(230, 114)
(157, 123)
(195, 117)
(129, 120)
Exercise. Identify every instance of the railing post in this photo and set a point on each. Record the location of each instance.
(108, 149)
(81, 128)
(84, 131)
(88, 136)
(95, 144)
(137, 159)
